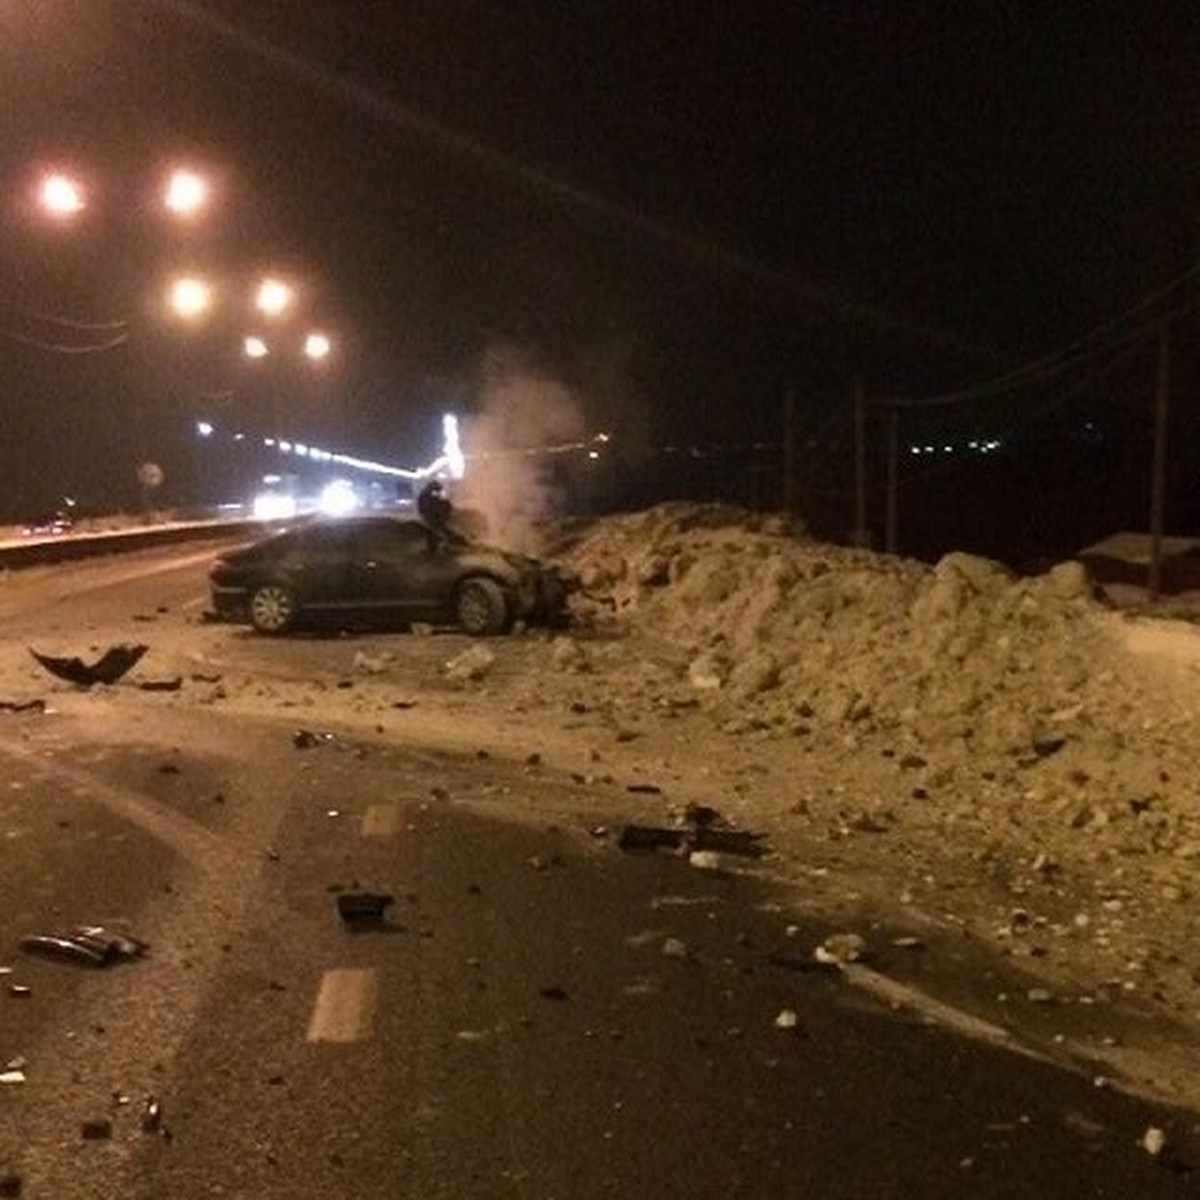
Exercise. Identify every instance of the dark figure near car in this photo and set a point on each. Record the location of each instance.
(433, 506)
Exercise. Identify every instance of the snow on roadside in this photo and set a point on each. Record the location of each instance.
(1021, 730)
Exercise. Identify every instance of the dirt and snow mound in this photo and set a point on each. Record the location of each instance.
(791, 629)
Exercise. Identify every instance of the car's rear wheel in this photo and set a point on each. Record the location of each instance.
(272, 608)
(481, 607)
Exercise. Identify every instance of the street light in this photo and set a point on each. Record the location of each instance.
(61, 196)
(190, 297)
(255, 347)
(317, 346)
(186, 193)
(273, 297)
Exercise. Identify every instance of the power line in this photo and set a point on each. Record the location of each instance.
(1045, 368)
(63, 322)
(63, 348)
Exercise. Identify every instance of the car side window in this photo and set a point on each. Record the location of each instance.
(320, 543)
(395, 540)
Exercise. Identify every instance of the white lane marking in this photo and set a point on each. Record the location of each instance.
(345, 1006)
(380, 820)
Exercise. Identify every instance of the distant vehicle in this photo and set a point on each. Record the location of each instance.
(373, 570)
(51, 525)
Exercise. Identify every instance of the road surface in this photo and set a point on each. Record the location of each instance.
(540, 1013)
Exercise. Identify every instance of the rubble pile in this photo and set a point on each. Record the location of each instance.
(977, 681)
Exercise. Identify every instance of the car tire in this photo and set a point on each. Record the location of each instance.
(481, 607)
(272, 609)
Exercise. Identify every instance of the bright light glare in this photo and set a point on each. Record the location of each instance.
(317, 345)
(338, 499)
(204, 428)
(273, 297)
(271, 506)
(186, 193)
(255, 347)
(61, 195)
(451, 447)
(190, 297)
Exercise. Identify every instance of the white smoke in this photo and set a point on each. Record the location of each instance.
(525, 412)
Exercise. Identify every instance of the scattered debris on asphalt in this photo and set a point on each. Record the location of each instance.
(108, 668)
(471, 665)
(306, 739)
(99, 1129)
(10, 1184)
(706, 860)
(152, 1117)
(173, 684)
(90, 945)
(13, 1072)
(787, 1019)
(364, 909)
(840, 948)
(1154, 1141)
(554, 992)
(20, 706)
(703, 837)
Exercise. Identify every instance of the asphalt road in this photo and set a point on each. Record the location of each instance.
(541, 1014)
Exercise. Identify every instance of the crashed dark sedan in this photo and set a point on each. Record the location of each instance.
(382, 570)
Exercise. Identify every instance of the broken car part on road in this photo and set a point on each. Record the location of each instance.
(89, 945)
(108, 668)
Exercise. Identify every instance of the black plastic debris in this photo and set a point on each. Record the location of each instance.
(305, 739)
(702, 816)
(88, 945)
(726, 841)
(651, 837)
(364, 909)
(20, 706)
(174, 684)
(97, 1130)
(10, 1184)
(554, 992)
(644, 789)
(152, 1116)
(108, 668)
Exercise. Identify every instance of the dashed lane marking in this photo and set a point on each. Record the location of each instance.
(380, 820)
(345, 1006)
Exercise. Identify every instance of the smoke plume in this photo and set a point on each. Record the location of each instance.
(527, 416)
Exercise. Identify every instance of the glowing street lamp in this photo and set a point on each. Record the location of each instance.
(61, 196)
(255, 347)
(186, 193)
(317, 346)
(190, 298)
(273, 297)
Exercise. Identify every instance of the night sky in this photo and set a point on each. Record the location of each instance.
(680, 211)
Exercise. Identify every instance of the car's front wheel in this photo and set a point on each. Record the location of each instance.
(481, 607)
(272, 608)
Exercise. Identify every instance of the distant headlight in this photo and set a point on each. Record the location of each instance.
(270, 506)
(338, 499)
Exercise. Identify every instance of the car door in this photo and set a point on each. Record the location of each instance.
(317, 566)
(397, 571)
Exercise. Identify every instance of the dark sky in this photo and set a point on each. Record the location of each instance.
(679, 209)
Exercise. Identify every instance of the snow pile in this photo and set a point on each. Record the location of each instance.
(963, 661)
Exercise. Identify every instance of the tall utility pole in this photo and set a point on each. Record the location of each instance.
(789, 451)
(1158, 471)
(861, 535)
(891, 533)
